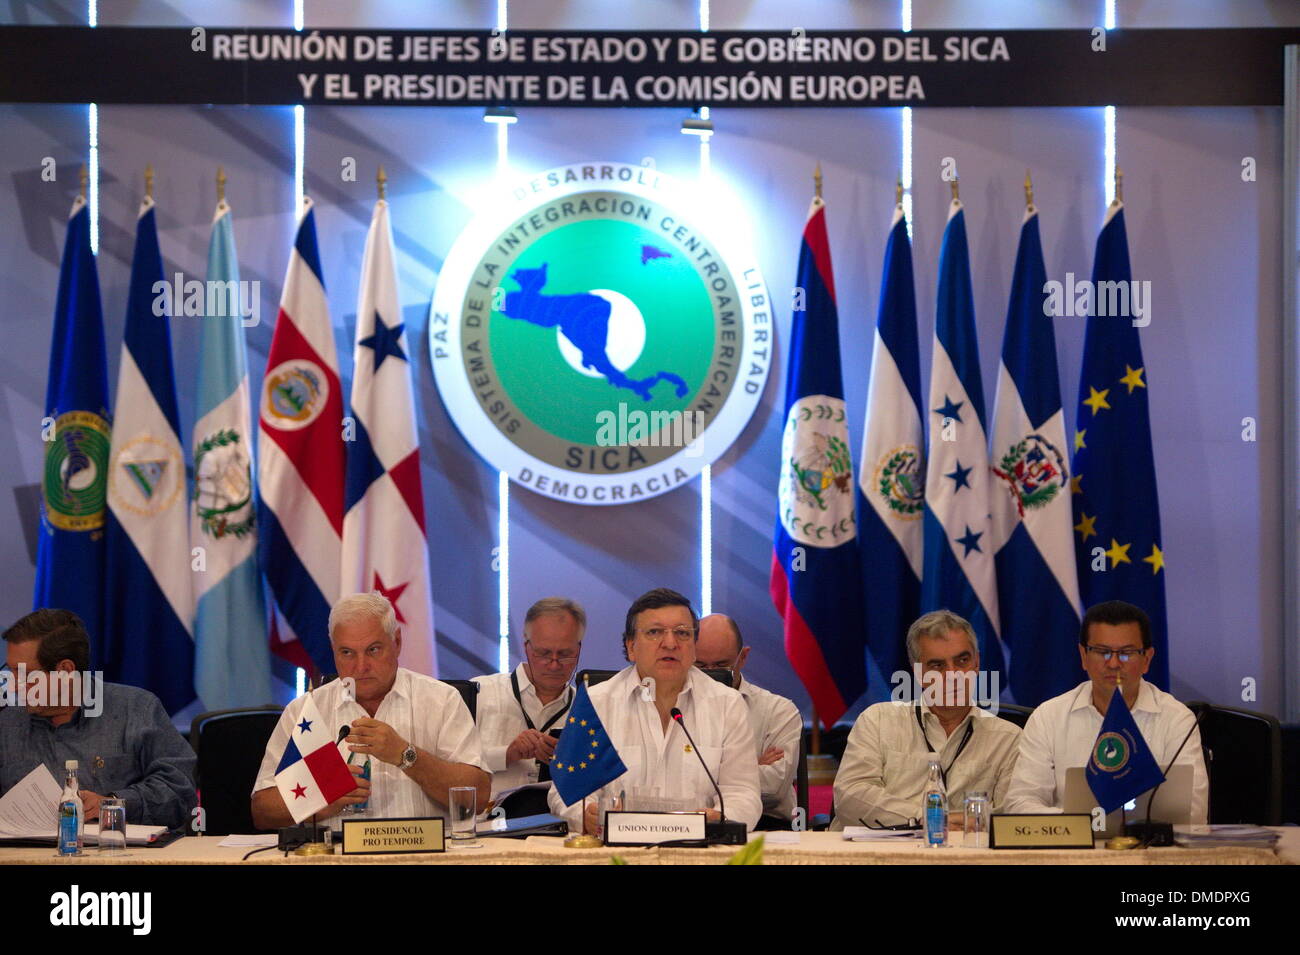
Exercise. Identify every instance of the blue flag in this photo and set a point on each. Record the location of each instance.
(70, 546)
(1116, 509)
(148, 605)
(1121, 766)
(584, 758)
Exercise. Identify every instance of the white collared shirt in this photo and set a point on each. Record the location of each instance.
(662, 767)
(500, 720)
(886, 762)
(1061, 732)
(423, 711)
(775, 721)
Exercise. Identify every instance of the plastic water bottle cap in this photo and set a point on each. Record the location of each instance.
(70, 764)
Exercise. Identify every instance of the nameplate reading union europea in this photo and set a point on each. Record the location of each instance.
(1034, 830)
(392, 836)
(652, 828)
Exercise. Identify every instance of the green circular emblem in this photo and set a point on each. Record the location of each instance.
(76, 472)
(1111, 752)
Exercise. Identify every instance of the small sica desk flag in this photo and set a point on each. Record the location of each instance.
(312, 773)
(1121, 767)
(584, 758)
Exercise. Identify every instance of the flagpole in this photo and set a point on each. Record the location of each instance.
(84, 177)
(381, 180)
(582, 839)
(1029, 193)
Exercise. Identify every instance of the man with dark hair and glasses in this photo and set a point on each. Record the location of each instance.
(635, 707)
(1115, 650)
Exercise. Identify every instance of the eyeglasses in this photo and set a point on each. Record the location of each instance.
(546, 656)
(656, 634)
(912, 823)
(1125, 654)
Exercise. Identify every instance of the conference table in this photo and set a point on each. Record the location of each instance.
(811, 848)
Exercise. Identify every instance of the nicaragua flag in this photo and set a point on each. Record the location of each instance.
(816, 581)
(959, 572)
(1116, 508)
(384, 547)
(1037, 587)
(1121, 766)
(149, 604)
(312, 772)
(891, 480)
(584, 758)
(300, 468)
(76, 432)
(232, 664)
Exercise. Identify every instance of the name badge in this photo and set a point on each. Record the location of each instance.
(623, 828)
(392, 836)
(1041, 830)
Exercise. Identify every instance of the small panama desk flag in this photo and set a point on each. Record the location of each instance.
(584, 759)
(312, 773)
(1121, 766)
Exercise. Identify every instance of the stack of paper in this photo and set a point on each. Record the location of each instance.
(29, 813)
(1225, 836)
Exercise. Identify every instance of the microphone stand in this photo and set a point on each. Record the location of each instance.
(722, 832)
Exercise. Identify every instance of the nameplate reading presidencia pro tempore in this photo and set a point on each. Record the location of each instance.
(1041, 830)
(389, 836)
(652, 828)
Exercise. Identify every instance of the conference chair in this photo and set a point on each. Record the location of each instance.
(469, 693)
(1015, 714)
(1243, 755)
(230, 745)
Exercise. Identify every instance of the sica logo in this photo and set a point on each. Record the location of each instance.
(600, 335)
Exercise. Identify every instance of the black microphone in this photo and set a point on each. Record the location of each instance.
(344, 730)
(721, 833)
(1162, 833)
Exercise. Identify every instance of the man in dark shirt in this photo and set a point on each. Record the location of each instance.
(121, 737)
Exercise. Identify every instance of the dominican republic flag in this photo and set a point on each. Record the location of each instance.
(1116, 508)
(816, 580)
(959, 573)
(312, 773)
(384, 546)
(1037, 587)
(232, 665)
(301, 466)
(1121, 766)
(148, 602)
(891, 480)
(70, 545)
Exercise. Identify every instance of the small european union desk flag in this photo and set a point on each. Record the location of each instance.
(584, 759)
(1121, 767)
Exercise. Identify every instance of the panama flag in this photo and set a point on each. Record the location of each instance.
(816, 580)
(959, 572)
(312, 772)
(300, 465)
(148, 604)
(231, 661)
(70, 546)
(891, 480)
(384, 545)
(1037, 585)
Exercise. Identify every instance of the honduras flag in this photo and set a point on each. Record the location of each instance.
(70, 545)
(1121, 766)
(891, 480)
(816, 580)
(384, 546)
(148, 602)
(1116, 509)
(959, 573)
(232, 664)
(1037, 586)
(301, 460)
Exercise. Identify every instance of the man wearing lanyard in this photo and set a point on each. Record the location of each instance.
(520, 713)
(883, 772)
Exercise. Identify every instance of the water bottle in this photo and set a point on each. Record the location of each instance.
(934, 808)
(72, 814)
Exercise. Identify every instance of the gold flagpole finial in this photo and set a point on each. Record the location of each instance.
(382, 180)
(221, 185)
(817, 180)
(898, 190)
(148, 181)
(1029, 191)
(955, 196)
(586, 679)
(1119, 184)
(84, 178)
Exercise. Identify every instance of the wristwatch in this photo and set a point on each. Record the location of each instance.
(408, 757)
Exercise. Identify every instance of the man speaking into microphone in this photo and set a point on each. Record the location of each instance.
(665, 770)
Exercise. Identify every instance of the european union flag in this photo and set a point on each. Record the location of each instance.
(584, 759)
(1121, 767)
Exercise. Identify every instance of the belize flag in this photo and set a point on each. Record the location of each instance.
(816, 581)
(232, 662)
(148, 603)
(70, 545)
(312, 772)
(384, 546)
(959, 572)
(891, 480)
(300, 468)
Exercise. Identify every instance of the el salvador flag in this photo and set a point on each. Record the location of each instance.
(232, 663)
(148, 603)
(959, 573)
(891, 479)
(1037, 587)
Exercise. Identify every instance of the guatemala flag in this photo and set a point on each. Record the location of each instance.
(232, 664)
(312, 772)
(1116, 509)
(300, 467)
(1037, 587)
(891, 480)
(384, 546)
(70, 545)
(149, 603)
(959, 573)
(816, 580)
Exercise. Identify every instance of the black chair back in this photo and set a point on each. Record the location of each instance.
(230, 745)
(592, 677)
(469, 693)
(1015, 714)
(1243, 754)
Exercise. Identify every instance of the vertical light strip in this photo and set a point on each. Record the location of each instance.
(704, 16)
(905, 172)
(503, 479)
(1109, 161)
(706, 475)
(1110, 14)
(299, 682)
(92, 190)
(92, 13)
(297, 14)
(299, 141)
(907, 16)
